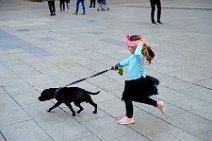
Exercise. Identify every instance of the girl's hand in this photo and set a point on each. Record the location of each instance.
(115, 67)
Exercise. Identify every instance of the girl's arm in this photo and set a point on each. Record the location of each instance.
(138, 49)
(123, 63)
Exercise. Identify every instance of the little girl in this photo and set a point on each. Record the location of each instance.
(140, 86)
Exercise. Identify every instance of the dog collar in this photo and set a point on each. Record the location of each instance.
(56, 92)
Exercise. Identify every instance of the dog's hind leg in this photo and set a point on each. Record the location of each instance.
(78, 105)
(93, 104)
(54, 106)
(71, 108)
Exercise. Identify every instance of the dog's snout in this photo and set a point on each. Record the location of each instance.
(40, 98)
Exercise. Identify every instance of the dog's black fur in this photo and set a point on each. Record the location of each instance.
(67, 95)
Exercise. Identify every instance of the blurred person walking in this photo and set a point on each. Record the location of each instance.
(77, 7)
(92, 3)
(62, 5)
(158, 4)
(52, 9)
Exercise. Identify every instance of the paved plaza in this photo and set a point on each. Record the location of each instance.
(38, 51)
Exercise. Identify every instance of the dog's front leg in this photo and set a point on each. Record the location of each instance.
(71, 108)
(54, 106)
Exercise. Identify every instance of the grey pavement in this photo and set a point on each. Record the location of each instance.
(38, 51)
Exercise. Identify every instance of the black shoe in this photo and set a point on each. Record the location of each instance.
(153, 22)
(51, 14)
(160, 22)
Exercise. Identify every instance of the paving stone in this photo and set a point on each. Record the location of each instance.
(195, 123)
(199, 92)
(205, 136)
(131, 137)
(174, 135)
(12, 115)
(196, 106)
(113, 107)
(148, 125)
(89, 138)
(106, 128)
(24, 131)
(6, 101)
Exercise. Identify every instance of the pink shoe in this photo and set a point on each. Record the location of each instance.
(126, 120)
(161, 106)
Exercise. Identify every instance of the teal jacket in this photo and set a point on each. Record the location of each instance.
(136, 64)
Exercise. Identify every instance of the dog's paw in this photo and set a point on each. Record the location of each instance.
(94, 112)
(73, 114)
(48, 110)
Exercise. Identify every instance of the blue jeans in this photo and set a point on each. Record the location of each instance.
(77, 5)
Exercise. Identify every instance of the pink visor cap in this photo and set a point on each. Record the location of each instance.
(134, 43)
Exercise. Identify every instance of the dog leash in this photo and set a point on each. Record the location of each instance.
(83, 79)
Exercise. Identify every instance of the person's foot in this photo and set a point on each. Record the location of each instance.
(160, 22)
(153, 22)
(83, 13)
(51, 14)
(75, 13)
(125, 120)
(161, 106)
(98, 9)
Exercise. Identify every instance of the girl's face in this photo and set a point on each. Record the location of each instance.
(131, 49)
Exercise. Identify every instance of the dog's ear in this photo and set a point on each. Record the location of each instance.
(48, 91)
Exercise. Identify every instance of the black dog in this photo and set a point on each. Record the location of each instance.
(67, 95)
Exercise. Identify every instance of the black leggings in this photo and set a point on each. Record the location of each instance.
(158, 4)
(139, 90)
(129, 105)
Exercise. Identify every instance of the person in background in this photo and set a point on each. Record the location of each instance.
(68, 6)
(99, 8)
(104, 5)
(52, 9)
(92, 3)
(77, 7)
(158, 4)
(62, 5)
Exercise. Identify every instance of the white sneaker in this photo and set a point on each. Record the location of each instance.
(126, 120)
(161, 106)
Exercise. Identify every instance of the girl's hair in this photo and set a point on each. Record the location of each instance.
(146, 50)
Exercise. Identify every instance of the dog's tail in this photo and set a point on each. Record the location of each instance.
(94, 93)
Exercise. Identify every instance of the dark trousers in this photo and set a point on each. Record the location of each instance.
(158, 4)
(77, 5)
(51, 7)
(129, 105)
(139, 90)
(92, 3)
(62, 5)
